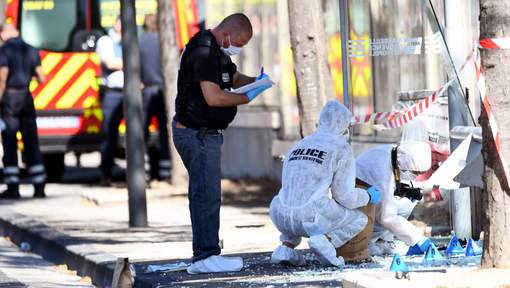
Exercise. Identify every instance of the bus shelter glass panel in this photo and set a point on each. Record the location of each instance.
(397, 56)
(397, 60)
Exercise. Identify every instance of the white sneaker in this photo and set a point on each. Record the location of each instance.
(216, 264)
(283, 253)
(325, 251)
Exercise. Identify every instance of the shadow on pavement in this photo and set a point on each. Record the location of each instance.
(257, 272)
(85, 232)
(248, 193)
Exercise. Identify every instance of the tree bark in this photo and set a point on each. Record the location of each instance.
(133, 111)
(314, 83)
(170, 66)
(495, 23)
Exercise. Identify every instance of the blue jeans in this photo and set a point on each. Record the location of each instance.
(112, 115)
(202, 158)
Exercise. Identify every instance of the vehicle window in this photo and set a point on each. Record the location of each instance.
(47, 24)
(110, 9)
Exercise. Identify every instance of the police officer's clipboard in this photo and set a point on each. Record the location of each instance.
(253, 85)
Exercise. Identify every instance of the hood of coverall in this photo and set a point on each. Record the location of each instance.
(335, 118)
(414, 156)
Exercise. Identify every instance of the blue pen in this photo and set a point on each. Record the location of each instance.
(261, 72)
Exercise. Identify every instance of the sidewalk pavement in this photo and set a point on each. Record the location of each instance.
(70, 227)
(86, 228)
(24, 269)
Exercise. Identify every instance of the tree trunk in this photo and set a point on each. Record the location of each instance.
(133, 111)
(494, 23)
(170, 65)
(314, 83)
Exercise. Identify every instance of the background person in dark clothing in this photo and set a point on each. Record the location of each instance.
(19, 62)
(109, 50)
(153, 97)
(203, 109)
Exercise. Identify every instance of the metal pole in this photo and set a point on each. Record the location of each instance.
(133, 112)
(344, 34)
(458, 110)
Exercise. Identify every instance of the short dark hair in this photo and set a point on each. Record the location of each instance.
(150, 23)
(237, 24)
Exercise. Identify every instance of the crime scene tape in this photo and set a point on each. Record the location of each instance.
(414, 111)
(487, 107)
(374, 117)
(494, 43)
(397, 119)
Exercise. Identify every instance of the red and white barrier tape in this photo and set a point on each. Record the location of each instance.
(487, 107)
(397, 119)
(414, 111)
(375, 117)
(495, 43)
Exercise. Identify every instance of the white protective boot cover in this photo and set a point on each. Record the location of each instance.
(325, 251)
(216, 264)
(283, 254)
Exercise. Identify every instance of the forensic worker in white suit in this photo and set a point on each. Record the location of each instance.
(384, 167)
(318, 198)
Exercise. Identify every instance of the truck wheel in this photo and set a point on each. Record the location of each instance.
(54, 165)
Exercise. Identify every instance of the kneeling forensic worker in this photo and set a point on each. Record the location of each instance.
(384, 167)
(320, 165)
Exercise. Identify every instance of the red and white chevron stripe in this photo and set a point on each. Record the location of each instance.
(415, 110)
(399, 118)
(487, 107)
(375, 117)
(495, 43)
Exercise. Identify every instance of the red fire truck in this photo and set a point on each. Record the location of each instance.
(65, 31)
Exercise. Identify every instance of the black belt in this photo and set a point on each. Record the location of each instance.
(198, 128)
(204, 131)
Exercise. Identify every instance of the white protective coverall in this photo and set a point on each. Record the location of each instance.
(320, 163)
(374, 167)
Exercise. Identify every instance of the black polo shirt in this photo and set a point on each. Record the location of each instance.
(21, 59)
(203, 63)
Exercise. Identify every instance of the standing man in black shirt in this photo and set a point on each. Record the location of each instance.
(204, 107)
(153, 98)
(19, 62)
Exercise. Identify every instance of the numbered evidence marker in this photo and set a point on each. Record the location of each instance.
(454, 247)
(399, 267)
(432, 255)
(398, 264)
(472, 249)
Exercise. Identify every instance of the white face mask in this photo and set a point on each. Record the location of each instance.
(231, 50)
(407, 176)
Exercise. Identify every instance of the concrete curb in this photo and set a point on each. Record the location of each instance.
(57, 247)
